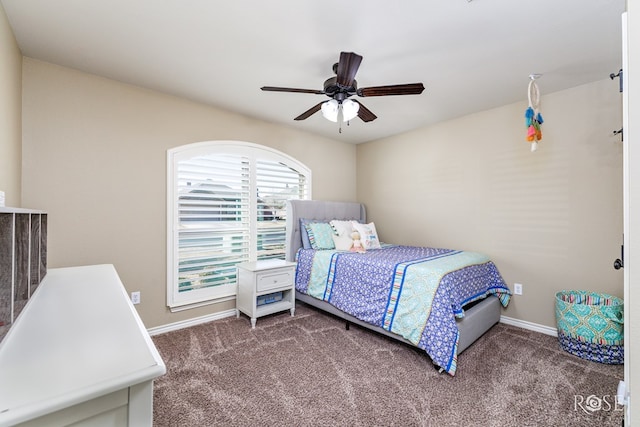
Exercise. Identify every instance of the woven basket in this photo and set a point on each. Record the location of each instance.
(591, 325)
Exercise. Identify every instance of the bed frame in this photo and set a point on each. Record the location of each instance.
(477, 320)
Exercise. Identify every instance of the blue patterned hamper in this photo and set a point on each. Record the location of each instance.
(591, 325)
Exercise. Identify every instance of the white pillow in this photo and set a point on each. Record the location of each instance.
(368, 235)
(342, 243)
(341, 228)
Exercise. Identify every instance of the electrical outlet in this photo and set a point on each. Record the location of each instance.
(517, 288)
(135, 297)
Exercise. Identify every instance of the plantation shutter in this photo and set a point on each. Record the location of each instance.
(213, 216)
(276, 183)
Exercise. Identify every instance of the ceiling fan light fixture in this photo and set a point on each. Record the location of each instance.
(330, 110)
(349, 110)
(342, 86)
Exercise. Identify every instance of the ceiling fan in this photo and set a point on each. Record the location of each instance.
(341, 87)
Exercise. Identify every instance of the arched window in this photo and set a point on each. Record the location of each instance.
(225, 205)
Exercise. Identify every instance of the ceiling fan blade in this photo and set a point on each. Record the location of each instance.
(310, 111)
(288, 89)
(365, 114)
(347, 68)
(405, 89)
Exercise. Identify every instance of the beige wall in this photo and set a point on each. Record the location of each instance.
(10, 114)
(551, 220)
(95, 159)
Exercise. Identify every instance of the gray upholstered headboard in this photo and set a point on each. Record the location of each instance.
(320, 210)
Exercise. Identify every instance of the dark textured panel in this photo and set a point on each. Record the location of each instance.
(23, 262)
(22, 259)
(34, 253)
(6, 235)
(43, 246)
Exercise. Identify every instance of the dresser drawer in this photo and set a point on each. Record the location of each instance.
(273, 280)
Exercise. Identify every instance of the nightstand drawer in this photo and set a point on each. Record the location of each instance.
(274, 280)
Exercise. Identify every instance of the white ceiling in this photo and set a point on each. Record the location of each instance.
(470, 55)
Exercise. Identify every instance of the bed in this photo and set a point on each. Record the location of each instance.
(453, 296)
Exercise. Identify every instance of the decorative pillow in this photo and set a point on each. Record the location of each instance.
(341, 228)
(368, 235)
(320, 235)
(342, 243)
(306, 244)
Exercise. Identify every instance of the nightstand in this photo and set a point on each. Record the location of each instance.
(265, 287)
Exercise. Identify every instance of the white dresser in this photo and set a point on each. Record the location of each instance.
(78, 353)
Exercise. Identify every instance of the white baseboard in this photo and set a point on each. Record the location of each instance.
(228, 313)
(529, 326)
(190, 322)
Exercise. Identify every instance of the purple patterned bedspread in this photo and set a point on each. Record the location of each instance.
(367, 286)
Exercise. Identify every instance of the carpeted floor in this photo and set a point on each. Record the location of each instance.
(308, 370)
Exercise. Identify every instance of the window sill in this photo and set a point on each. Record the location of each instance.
(189, 306)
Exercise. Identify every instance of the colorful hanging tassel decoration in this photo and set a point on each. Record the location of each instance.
(533, 118)
(528, 115)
